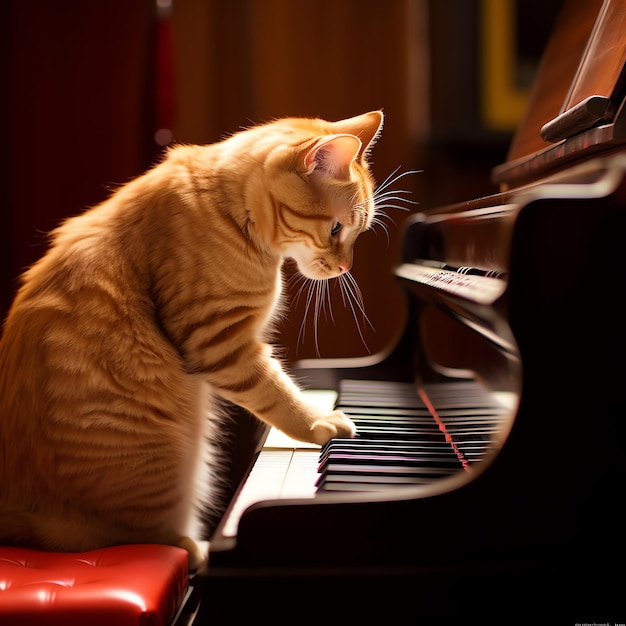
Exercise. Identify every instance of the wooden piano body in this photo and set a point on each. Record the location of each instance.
(521, 292)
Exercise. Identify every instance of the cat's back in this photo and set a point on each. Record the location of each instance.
(87, 297)
(82, 357)
(165, 245)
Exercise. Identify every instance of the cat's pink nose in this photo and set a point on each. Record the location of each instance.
(343, 268)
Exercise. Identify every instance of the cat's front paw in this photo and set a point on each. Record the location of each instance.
(336, 424)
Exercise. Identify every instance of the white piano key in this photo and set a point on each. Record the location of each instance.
(285, 467)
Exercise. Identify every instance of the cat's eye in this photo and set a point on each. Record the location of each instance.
(337, 226)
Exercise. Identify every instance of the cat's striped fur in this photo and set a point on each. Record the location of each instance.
(151, 305)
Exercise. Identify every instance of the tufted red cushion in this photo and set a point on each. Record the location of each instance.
(122, 585)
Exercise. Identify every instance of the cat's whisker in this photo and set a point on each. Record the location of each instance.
(352, 295)
(384, 197)
(307, 284)
(321, 294)
(383, 215)
(388, 197)
(379, 221)
(381, 207)
(293, 280)
(376, 221)
(393, 201)
(317, 302)
(355, 292)
(318, 296)
(326, 296)
(379, 191)
(393, 178)
(328, 302)
(315, 291)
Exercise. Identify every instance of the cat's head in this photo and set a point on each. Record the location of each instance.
(322, 191)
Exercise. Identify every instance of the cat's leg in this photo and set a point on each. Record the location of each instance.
(260, 385)
(198, 552)
(79, 533)
(73, 531)
(16, 527)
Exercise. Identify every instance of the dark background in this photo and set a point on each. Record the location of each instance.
(88, 84)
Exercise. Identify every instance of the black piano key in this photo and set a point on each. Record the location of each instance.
(348, 483)
(362, 428)
(403, 440)
(378, 446)
(395, 402)
(383, 411)
(384, 447)
(493, 413)
(361, 440)
(397, 461)
(477, 425)
(386, 470)
(390, 419)
(364, 470)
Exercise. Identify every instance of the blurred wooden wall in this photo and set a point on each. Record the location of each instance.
(88, 84)
(79, 114)
(250, 61)
(87, 93)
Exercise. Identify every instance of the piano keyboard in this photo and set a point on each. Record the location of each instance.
(403, 438)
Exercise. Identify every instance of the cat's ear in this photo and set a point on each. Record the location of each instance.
(366, 127)
(332, 155)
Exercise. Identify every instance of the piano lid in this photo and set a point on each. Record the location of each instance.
(576, 106)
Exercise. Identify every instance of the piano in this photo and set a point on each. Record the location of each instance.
(488, 468)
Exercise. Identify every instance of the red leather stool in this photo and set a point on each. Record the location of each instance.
(120, 586)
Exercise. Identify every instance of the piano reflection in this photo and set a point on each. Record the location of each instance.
(488, 462)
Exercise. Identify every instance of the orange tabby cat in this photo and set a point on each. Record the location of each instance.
(150, 306)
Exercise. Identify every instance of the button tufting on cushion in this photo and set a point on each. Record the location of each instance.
(121, 585)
